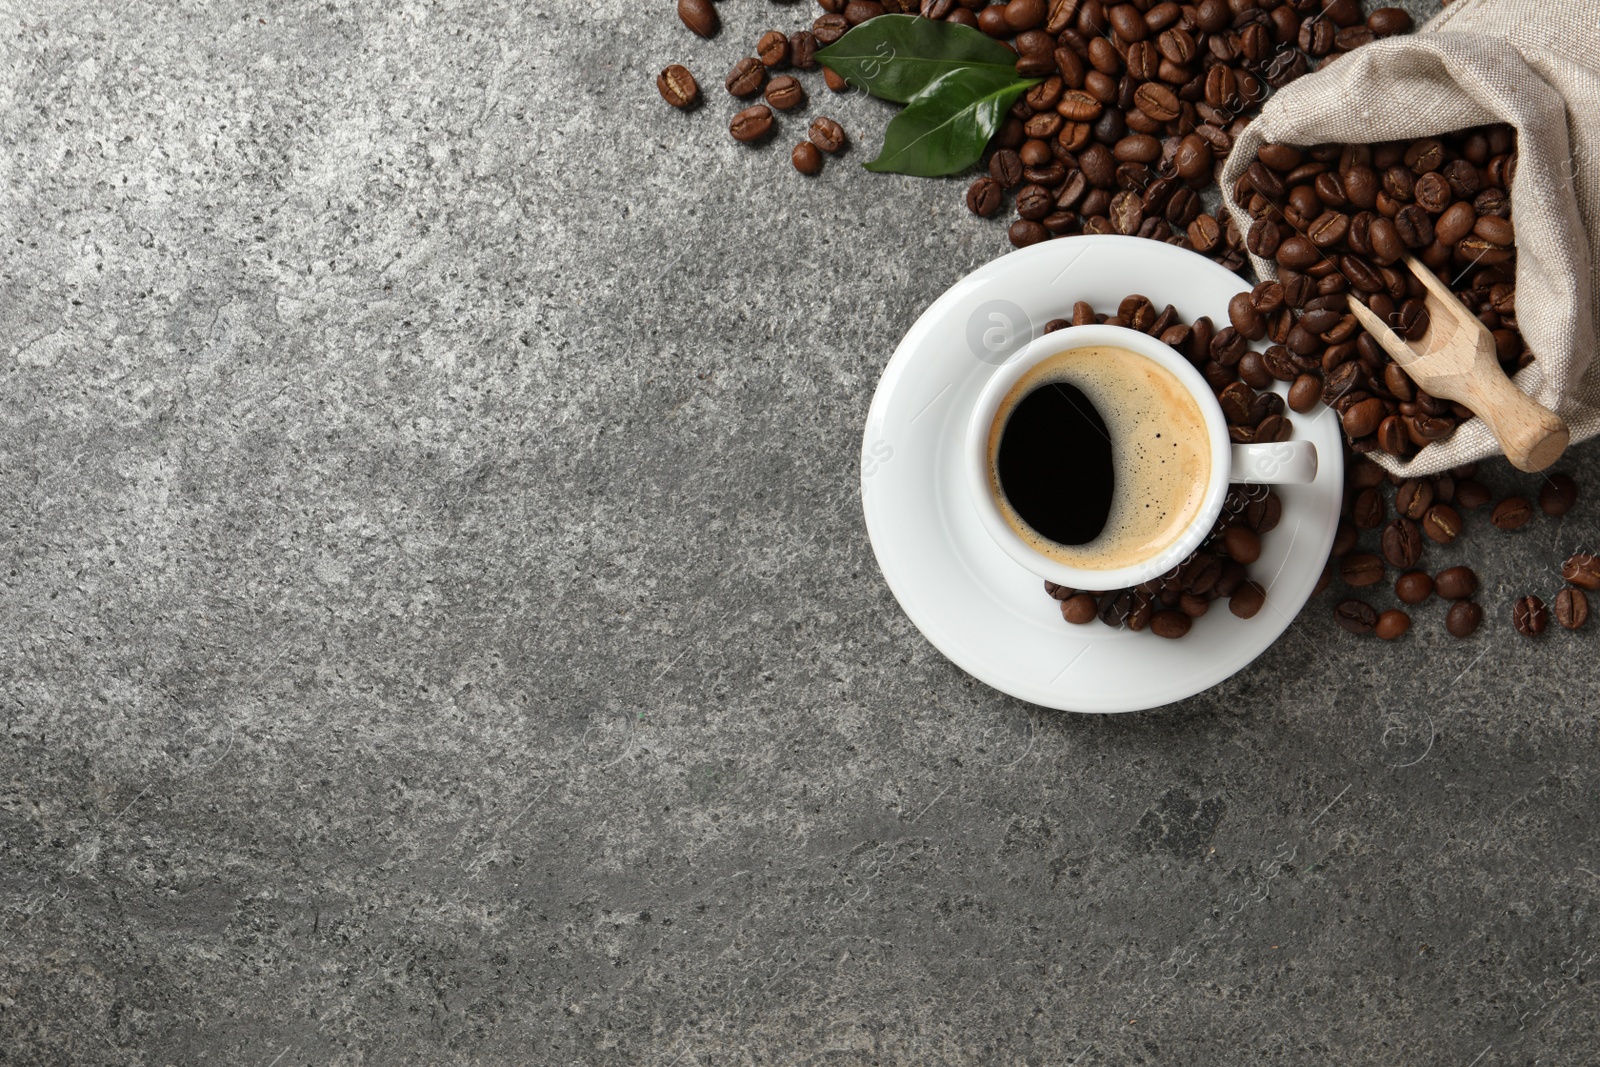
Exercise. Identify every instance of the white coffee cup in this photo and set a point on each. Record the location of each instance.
(1285, 462)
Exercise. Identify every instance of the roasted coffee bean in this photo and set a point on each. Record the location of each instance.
(751, 124)
(1006, 167)
(1363, 417)
(1367, 510)
(699, 16)
(1247, 599)
(1328, 229)
(1356, 616)
(1512, 513)
(1528, 615)
(1264, 512)
(1388, 21)
(1456, 583)
(1558, 493)
(1169, 623)
(1253, 371)
(773, 48)
(1392, 624)
(1058, 592)
(827, 29)
(827, 134)
(784, 92)
(1413, 587)
(677, 86)
(1456, 223)
(1414, 498)
(1571, 608)
(1305, 393)
(1242, 544)
(802, 50)
(1402, 543)
(746, 77)
(1582, 569)
(1267, 297)
(858, 11)
(1079, 609)
(1442, 523)
(807, 160)
(1264, 239)
(1034, 202)
(836, 83)
(983, 196)
(1361, 569)
(1463, 618)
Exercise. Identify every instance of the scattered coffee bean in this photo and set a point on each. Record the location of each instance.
(806, 159)
(1456, 583)
(1582, 569)
(677, 86)
(1356, 616)
(827, 134)
(834, 81)
(747, 77)
(983, 197)
(784, 92)
(1367, 511)
(1361, 569)
(1413, 587)
(1463, 618)
(1402, 543)
(803, 50)
(751, 124)
(1442, 523)
(1512, 513)
(773, 48)
(1392, 624)
(1558, 493)
(699, 16)
(1414, 498)
(1571, 608)
(1528, 615)
(1058, 592)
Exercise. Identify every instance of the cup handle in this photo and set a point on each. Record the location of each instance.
(1276, 463)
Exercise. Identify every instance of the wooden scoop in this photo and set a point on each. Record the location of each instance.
(1455, 360)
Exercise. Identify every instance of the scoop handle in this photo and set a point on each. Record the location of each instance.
(1531, 435)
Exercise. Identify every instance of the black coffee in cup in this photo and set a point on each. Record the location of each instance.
(1099, 457)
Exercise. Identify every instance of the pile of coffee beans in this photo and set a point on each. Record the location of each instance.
(1219, 568)
(1387, 525)
(1337, 220)
(1139, 102)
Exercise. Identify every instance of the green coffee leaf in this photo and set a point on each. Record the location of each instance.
(945, 128)
(895, 57)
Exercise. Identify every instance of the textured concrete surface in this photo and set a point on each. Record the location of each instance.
(439, 626)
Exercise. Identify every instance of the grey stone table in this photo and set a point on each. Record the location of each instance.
(439, 625)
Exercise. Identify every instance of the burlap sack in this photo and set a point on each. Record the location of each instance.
(1536, 65)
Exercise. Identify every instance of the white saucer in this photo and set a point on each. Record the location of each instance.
(979, 607)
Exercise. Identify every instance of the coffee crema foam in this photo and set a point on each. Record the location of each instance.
(1160, 454)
